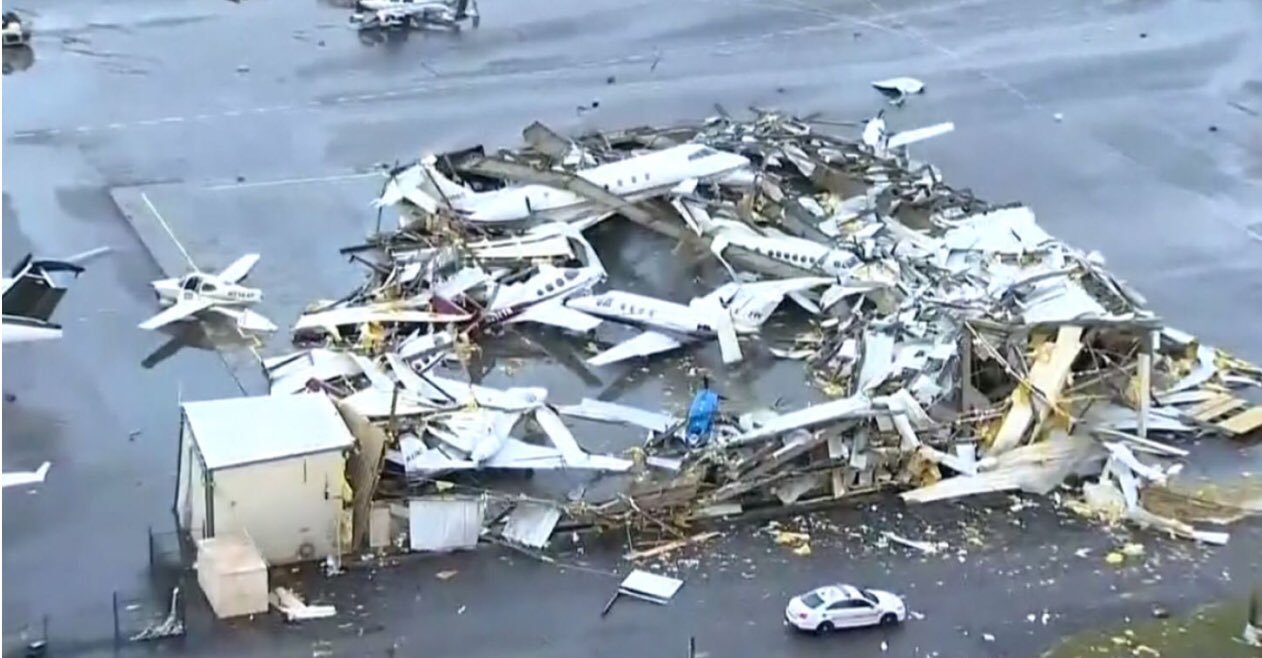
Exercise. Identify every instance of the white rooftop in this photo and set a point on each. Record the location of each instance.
(239, 431)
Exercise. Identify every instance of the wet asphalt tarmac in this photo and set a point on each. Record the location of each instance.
(1131, 128)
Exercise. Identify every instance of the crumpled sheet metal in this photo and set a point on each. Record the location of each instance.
(929, 285)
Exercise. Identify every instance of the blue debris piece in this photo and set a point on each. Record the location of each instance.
(705, 406)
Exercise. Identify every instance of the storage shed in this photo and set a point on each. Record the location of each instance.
(272, 467)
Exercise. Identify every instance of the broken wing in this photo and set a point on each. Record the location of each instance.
(649, 342)
(555, 313)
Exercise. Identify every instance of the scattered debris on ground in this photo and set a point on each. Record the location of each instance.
(294, 609)
(966, 351)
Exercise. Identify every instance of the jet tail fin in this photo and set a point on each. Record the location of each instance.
(37, 287)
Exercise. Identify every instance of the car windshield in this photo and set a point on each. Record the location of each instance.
(813, 600)
(868, 595)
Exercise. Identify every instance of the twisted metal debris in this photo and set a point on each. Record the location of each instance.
(967, 350)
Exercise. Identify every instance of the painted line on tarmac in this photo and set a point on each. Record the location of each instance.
(291, 181)
(458, 81)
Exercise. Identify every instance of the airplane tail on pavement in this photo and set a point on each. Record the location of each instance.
(33, 291)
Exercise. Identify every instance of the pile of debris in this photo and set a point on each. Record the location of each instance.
(967, 351)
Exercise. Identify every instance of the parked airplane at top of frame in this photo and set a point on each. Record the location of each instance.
(372, 14)
(633, 179)
(196, 292)
(32, 293)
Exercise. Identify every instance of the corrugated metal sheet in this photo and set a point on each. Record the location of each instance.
(531, 524)
(445, 524)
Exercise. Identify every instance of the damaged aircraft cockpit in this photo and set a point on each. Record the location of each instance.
(963, 349)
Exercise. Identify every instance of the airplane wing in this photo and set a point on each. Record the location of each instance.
(26, 477)
(649, 342)
(177, 312)
(572, 454)
(557, 314)
(246, 319)
(238, 270)
(919, 134)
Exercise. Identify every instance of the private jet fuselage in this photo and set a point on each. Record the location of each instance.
(550, 283)
(693, 320)
(806, 255)
(544, 293)
(632, 179)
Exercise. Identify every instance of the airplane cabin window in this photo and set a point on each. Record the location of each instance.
(208, 287)
(550, 287)
(571, 274)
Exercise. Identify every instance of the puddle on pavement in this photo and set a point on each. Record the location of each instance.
(1213, 631)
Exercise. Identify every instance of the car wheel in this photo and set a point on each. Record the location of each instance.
(824, 627)
(889, 619)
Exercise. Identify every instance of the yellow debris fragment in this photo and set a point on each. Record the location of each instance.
(1114, 558)
(788, 538)
(1133, 550)
(803, 550)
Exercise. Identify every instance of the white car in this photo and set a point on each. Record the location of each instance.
(843, 606)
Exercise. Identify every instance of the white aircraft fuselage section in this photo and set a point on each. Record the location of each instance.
(632, 179)
(200, 284)
(550, 283)
(646, 311)
(16, 330)
(803, 254)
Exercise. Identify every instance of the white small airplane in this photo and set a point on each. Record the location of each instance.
(732, 309)
(374, 14)
(196, 292)
(32, 293)
(541, 298)
(633, 179)
(883, 143)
